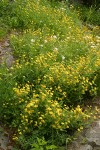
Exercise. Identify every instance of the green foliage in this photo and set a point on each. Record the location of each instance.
(41, 144)
(35, 143)
(19, 14)
(91, 2)
(2, 33)
(90, 15)
(56, 69)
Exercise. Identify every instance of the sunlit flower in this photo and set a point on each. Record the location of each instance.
(55, 37)
(41, 45)
(32, 40)
(63, 57)
(45, 41)
(55, 49)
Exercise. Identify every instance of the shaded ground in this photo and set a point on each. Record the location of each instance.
(5, 139)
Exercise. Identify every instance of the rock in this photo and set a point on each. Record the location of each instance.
(10, 148)
(96, 148)
(88, 139)
(79, 146)
(3, 139)
(6, 44)
(9, 61)
(93, 135)
(5, 142)
(6, 55)
(86, 147)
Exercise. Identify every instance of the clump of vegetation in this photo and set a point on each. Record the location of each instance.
(56, 70)
(88, 12)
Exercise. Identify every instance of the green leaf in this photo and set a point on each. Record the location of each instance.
(51, 147)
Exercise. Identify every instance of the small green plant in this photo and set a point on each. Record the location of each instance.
(42, 145)
(3, 30)
(2, 33)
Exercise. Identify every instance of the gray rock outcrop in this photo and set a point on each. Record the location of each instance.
(89, 139)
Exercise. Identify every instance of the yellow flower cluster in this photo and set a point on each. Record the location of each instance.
(41, 110)
(61, 58)
(22, 91)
